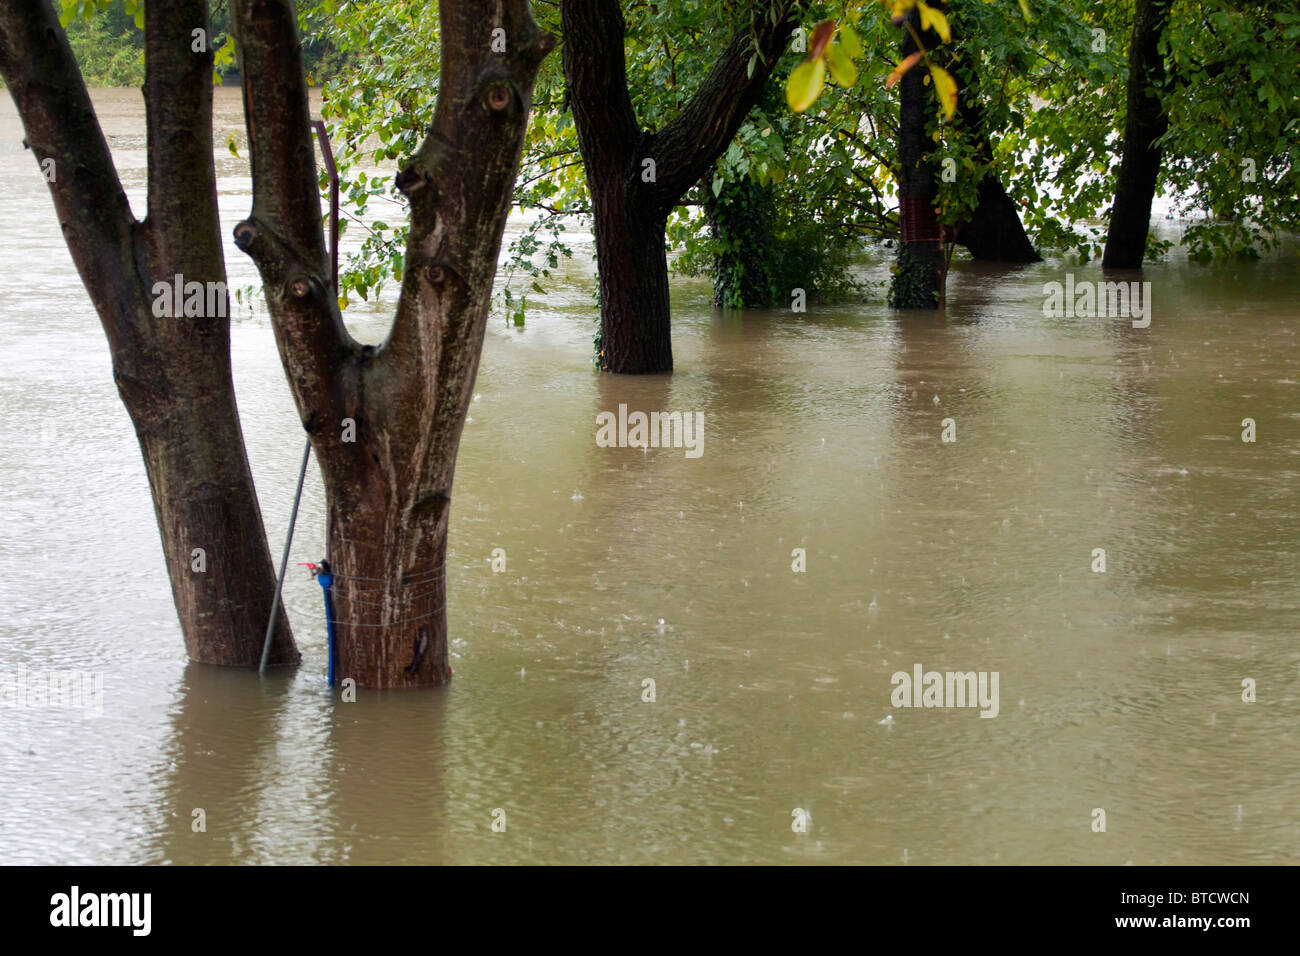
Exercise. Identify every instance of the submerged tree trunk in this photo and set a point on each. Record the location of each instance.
(171, 365)
(632, 269)
(636, 178)
(386, 421)
(918, 275)
(1145, 122)
(993, 231)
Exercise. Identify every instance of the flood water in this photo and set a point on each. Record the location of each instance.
(1119, 691)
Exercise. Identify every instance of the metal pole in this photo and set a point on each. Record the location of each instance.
(284, 560)
(328, 154)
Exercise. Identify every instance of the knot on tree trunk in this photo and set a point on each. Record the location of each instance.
(301, 285)
(411, 180)
(245, 234)
(499, 96)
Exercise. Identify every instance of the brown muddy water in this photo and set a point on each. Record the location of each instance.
(1120, 691)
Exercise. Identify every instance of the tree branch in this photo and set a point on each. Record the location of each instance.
(183, 225)
(684, 150)
(41, 73)
(283, 233)
(460, 184)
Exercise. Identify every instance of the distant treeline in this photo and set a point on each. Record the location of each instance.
(110, 48)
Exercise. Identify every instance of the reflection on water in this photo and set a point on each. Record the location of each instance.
(1119, 691)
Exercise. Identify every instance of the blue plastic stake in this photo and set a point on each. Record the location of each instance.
(325, 580)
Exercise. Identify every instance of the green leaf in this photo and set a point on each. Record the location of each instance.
(849, 37)
(805, 84)
(842, 68)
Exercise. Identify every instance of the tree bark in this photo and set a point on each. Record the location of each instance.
(919, 272)
(172, 371)
(386, 421)
(994, 232)
(637, 177)
(1145, 122)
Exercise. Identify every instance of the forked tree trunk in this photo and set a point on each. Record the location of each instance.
(636, 178)
(386, 422)
(1145, 122)
(172, 371)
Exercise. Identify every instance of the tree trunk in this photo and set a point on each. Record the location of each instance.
(918, 276)
(172, 369)
(390, 594)
(637, 178)
(386, 421)
(993, 232)
(632, 261)
(1145, 122)
(205, 502)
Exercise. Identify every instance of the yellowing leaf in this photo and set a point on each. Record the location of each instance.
(932, 19)
(842, 68)
(1024, 8)
(805, 84)
(900, 9)
(896, 74)
(946, 89)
